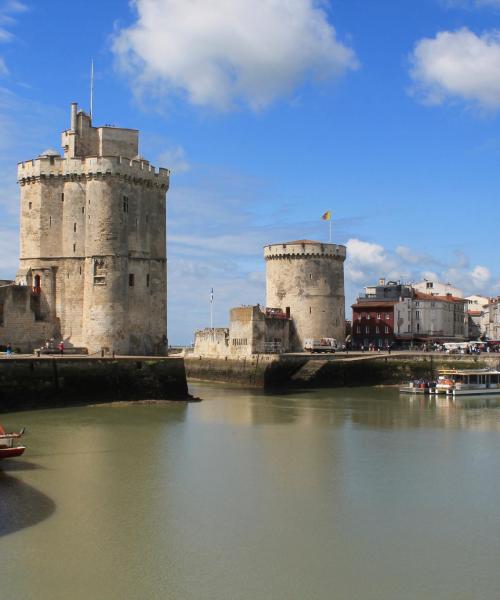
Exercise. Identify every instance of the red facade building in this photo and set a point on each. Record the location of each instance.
(373, 323)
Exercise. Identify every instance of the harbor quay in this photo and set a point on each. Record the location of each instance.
(30, 382)
(301, 370)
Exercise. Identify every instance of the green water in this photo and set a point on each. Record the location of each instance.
(334, 494)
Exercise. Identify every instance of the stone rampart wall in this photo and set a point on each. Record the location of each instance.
(46, 382)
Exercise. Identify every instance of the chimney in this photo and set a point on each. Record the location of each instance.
(74, 110)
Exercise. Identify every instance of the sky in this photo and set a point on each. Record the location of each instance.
(269, 113)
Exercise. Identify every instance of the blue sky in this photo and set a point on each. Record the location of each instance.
(269, 113)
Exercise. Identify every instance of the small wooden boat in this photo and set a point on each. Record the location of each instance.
(9, 447)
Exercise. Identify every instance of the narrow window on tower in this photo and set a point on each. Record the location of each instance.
(29, 205)
(62, 197)
(310, 310)
(83, 209)
(147, 280)
(74, 227)
(50, 221)
(125, 204)
(131, 281)
(74, 247)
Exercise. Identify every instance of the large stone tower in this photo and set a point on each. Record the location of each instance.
(306, 279)
(93, 239)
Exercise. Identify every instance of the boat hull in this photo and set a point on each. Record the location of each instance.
(11, 452)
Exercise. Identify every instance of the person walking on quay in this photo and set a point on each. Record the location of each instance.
(61, 347)
(9, 349)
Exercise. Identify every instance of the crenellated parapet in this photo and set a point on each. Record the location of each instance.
(70, 169)
(304, 249)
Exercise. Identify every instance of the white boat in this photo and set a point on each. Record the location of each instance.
(467, 382)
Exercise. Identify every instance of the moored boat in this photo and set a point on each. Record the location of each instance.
(467, 382)
(9, 447)
(458, 382)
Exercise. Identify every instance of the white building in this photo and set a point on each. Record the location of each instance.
(492, 319)
(437, 288)
(477, 315)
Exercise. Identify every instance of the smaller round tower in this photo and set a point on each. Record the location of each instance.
(306, 279)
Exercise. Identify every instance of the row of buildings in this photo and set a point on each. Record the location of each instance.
(427, 312)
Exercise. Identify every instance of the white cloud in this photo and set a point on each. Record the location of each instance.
(225, 53)
(174, 158)
(7, 9)
(480, 276)
(366, 253)
(458, 65)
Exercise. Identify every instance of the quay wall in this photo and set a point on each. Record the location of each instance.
(295, 371)
(30, 383)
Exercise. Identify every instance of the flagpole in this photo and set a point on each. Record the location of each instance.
(330, 222)
(212, 313)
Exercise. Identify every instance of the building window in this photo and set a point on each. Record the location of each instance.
(358, 329)
(378, 316)
(310, 310)
(359, 317)
(83, 209)
(387, 316)
(429, 285)
(418, 327)
(74, 227)
(74, 247)
(147, 280)
(99, 271)
(125, 204)
(377, 329)
(417, 315)
(62, 197)
(29, 205)
(386, 329)
(367, 329)
(50, 221)
(131, 280)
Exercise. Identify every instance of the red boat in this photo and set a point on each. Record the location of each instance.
(9, 447)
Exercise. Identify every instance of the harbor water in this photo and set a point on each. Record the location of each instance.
(345, 494)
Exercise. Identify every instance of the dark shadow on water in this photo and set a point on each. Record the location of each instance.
(21, 505)
(9, 466)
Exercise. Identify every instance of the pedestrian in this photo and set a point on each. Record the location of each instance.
(9, 349)
(61, 347)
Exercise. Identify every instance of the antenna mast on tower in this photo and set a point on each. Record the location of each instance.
(91, 88)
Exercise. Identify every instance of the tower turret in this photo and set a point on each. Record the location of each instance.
(94, 222)
(305, 278)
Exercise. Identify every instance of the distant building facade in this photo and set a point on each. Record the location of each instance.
(392, 312)
(492, 319)
(92, 266)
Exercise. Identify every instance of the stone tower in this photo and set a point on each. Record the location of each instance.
(306, 279)
(93, 240)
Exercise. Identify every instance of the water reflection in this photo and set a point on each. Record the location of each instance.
(21, 505)
(374, 408)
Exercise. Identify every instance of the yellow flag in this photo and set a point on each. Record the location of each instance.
(327, 216)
